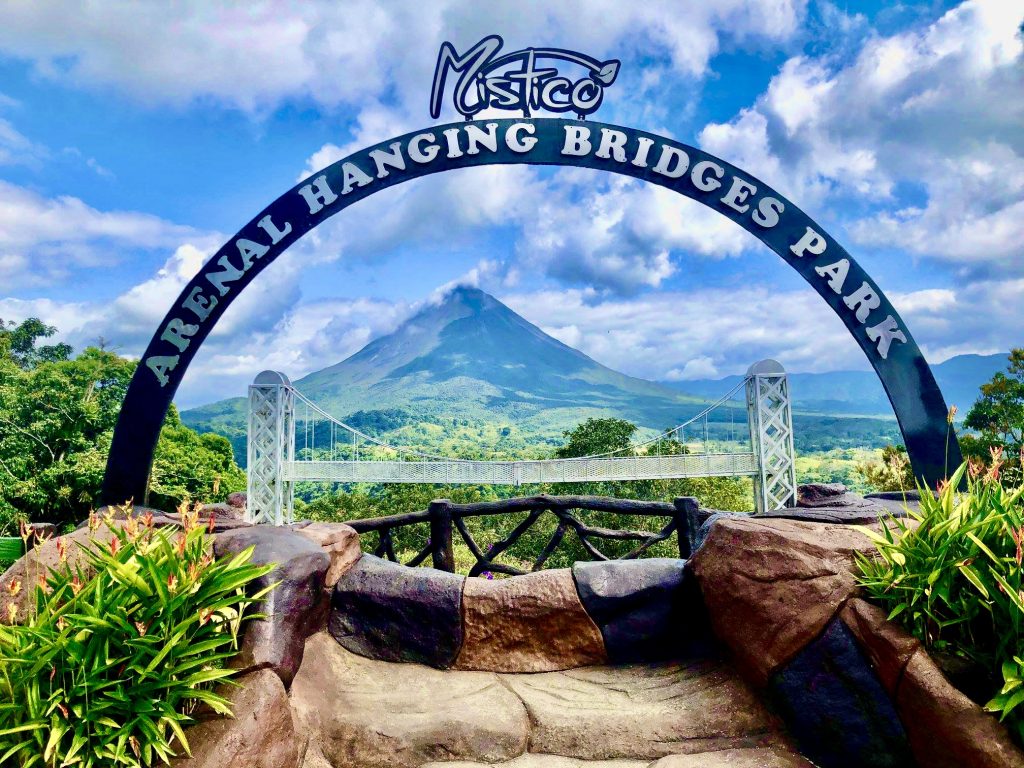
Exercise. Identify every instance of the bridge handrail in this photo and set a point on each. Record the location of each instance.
(445, 517)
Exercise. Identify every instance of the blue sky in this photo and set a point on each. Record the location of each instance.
(135, 138)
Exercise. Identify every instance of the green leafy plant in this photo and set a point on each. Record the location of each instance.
(951, 574)
(108, 670)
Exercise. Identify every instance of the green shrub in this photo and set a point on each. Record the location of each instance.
(108, 670)
(951, 574)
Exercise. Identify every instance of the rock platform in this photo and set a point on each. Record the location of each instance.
(364, 713)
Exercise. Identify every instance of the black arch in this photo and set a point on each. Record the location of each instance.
(904, 373)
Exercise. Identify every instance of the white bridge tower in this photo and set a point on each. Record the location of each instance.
(771, 432)
(271, 445)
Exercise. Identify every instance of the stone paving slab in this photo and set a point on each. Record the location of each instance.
(546, 761)
(375, 714)
(643, 711)
(760, 757)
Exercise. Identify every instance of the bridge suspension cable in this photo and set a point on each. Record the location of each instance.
(273, 465)
(309, 426)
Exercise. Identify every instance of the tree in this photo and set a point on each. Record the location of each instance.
(601, 436)
(19, 341)
(57, 415)
(998, 417)
(597, 436)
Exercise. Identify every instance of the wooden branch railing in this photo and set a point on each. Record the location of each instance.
(445, 518)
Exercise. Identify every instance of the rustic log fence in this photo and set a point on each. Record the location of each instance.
(444, 518)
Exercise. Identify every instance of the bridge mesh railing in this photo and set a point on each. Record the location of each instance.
(524, 472)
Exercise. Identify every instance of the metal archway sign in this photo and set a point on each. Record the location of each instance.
(771, 218)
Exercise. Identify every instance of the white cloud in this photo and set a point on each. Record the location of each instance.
(707, 333)
(702, 367)
(43, 239)
(15, 148)
(255, 56)
(938, 107)
(578, 226)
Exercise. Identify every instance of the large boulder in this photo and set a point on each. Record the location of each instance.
(339, 541)
(383, 610)
(887, 645)
(531, 623)
(946, 729)
(647, 610)
(362, 712)
(771, 585)
(221, 511)
(294, 610)
(260, 734)
(224, 518)
(837, 708)
(603, 713)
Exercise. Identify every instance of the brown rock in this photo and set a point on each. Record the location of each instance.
(221, 511)
(260, 735)
(534, 760)
(224, 518)
(945, 728)
(313, 757)
(737, 758)
(294, 609)
(237, 499)
(643, 712)
(532, 623)
(41, 532)
(887, 645)
(376, 714)
(811, 495)
(339, 541)
(772, 585)
(41, 561)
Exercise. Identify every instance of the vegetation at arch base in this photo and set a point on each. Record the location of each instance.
(996, 424)
(952, 575)
(57, 415)
(107, 670)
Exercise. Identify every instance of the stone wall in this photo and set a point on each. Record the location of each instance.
(855, 689)
(776, 592)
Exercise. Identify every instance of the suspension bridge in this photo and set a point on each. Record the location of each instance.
(292, 439)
